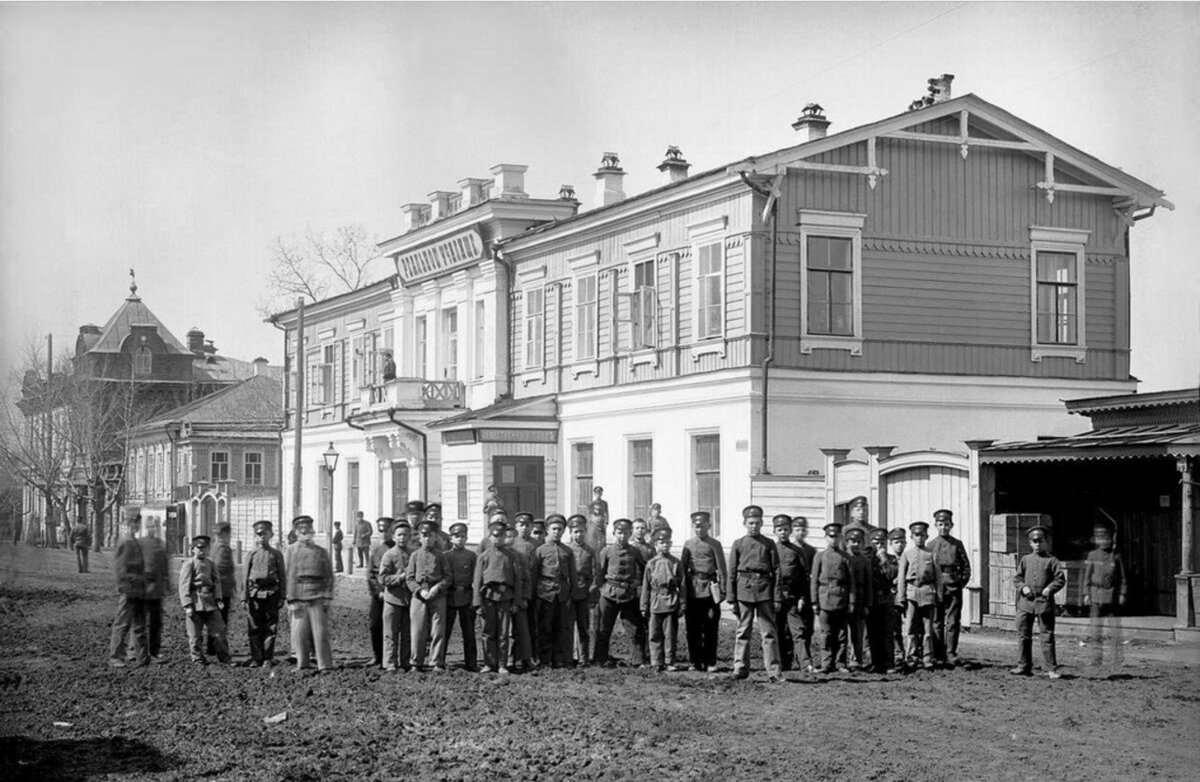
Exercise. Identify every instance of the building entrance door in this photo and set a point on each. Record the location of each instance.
(520, 484)
(399, 490)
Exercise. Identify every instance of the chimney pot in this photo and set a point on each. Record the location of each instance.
(812, 119)
(510, 179)
(673, 167)
(195, 341)
(472, 191)
(567, 193)
(609, 178)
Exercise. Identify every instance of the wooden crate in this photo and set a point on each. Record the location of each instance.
(1002, 597)
(1072, 593)
(1009, 530)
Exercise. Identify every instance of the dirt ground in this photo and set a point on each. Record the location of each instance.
(179, 721)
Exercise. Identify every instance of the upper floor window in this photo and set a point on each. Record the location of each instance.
(535, 314)
(253, 468)
(831, 280)
(710, 290)
(1058, 294)
(326, 391)
(143, 362)
(219, 466)
(585, 317)
(643, 306)
(420, 345)
(450, 343)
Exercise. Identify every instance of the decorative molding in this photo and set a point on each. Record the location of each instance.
(356, 325)
(734, 241)
(1077, 352)
(825, 342)
(643, 358)
(825, 219)
(1102, 259)
(530, 274)
(584, 262)
(705, 227)
(642, 245)
(590, 368)
(955, 249)
(1038, 233)
(709, 347)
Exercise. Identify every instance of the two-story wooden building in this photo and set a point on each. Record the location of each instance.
(796, 328)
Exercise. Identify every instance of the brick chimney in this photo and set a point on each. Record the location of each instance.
(812, 119)
(439, 202)
(260, 365)
(472, 191)
(939, 87)
(509, 180)
(195, 341)
(674, 168)
(415, 216)
(609, 177)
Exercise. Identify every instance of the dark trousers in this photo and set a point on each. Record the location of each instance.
(703, 618)
(947, 621)
(795, 636)
(880, 638)
(154, 620)
(337, 559)
(522, 639)
(663, 630)
(211, 646)
(554, 639)
(631, 620)
(130, 618)
(363, 555)
(1043, 611)
(833, 625)
(465, 614)
(262, 626)
(375, 625)
(81, 558)
(497, 623)
(581, 622)
(852, 638)
(196, 624)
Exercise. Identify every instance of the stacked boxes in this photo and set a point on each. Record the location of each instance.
(1008, 535)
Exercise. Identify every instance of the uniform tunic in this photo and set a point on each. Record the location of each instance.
(950, 555)
(704, 564)
(157, 586)
(308, 572)
(753, 567)
(663, 586)
(619, 573)
(130, 571)
(200, 590)
(1039, 572)
(1104, 577)
(461, 566)
(833, 590)
(918, 578)
(553, 572)
(265, 591)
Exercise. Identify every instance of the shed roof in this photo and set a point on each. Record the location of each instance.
(1109, 442)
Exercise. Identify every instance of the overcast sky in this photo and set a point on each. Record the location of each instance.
(180, 139)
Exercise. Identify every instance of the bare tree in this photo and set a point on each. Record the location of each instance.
(319, 266)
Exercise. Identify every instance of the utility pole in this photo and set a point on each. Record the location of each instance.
(297, 463)
(48, 527)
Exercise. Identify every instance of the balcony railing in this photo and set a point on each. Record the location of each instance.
(415, 393)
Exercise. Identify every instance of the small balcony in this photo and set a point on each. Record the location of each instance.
(414, 393)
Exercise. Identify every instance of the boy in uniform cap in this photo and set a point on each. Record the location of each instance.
(386, 526)
(80, 540)
(951, 557)
(808, 618)
(552, 571)
(460, 561)
(793, 592)
(1103, 591)
(428, 577)
(524, 622)
(309, 590)
(882, 619)
(265, 591)
(338, 537)
(537, 533)
(129, 566)
(396, 650)
(703, 564)
(497, 594)
(597, 531)
(414, 513)
(1038, 578)
(641, 539)
(201, 596)
(222, 557)
(754, 594)
(833, 591)
(362, 538)
(618, 578)
(857, 511)
(919, 590)
(663, 600)
(433, 513)
(584, 595)
(864, 593)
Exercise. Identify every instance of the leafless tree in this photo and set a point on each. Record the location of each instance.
(318, 266)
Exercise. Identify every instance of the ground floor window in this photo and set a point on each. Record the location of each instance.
(581, 471)
(641, 478)
(463, 511)
(706, 477)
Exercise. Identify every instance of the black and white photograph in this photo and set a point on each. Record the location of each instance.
(599, 391)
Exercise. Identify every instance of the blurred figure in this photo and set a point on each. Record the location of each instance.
(338, 537)
(130, 570)
(309, 590)
(154, 555)
(222, 558)
(1104, 592)
(81, 540)
(362, 538)
(375, 622)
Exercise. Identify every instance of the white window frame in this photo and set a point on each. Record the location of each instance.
(693, 489)
(1070, 241)
(835, 225)
(533, 336)
(593, 319)
(700, 235)
(246, 468)
(212, 465)
(421, 345)
(643, 301)
(449, 342)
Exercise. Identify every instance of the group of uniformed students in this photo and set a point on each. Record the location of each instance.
(539, 596)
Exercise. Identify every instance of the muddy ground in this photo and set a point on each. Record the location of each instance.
(179, 721)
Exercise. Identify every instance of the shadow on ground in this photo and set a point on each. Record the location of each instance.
(23, 758)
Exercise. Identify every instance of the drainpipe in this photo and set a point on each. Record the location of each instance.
(770, 357)
(509, 281)
(424, 451)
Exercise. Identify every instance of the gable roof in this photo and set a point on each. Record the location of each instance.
(1027, 136)
(254, 402)
(534, 409)
(133, 312)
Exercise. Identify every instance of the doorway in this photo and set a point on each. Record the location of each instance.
(520, 484)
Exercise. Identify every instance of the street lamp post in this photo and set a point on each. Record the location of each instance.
(331, 460)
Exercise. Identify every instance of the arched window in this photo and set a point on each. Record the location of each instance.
(143, 362)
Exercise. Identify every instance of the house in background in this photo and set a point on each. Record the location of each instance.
(211, 461)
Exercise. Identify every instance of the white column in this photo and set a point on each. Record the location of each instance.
(832, 457)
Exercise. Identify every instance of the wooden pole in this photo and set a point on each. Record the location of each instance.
(297, 462)
(1187, 563)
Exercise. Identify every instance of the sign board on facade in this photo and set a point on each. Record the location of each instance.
(518, 435)
(455, 251)
(461, 437)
